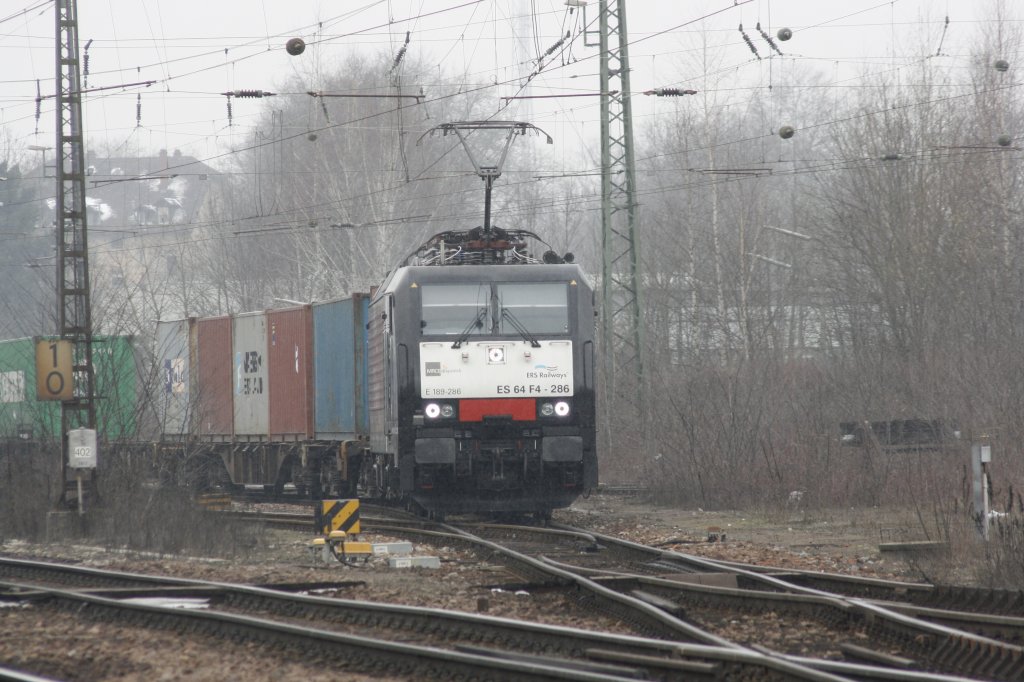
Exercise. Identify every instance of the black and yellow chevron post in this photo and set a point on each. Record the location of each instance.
(338, 515)
(214, 501)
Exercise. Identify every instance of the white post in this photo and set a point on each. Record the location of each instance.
(81, 503)
(986, 457)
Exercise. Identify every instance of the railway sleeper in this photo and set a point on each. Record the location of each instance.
(855, 652)
(952, 653)
(583, 666)
(236, 630)
(975, 599)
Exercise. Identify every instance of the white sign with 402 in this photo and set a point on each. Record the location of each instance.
(496, 369)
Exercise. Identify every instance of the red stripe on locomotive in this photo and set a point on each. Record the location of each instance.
(520, 409)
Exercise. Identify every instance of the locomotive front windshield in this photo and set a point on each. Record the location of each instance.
(486, 309)
(541, 307)
(454, 308)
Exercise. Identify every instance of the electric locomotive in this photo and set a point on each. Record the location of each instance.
(482, 378)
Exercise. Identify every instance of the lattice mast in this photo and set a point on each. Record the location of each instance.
(622, 331)
(74, 317)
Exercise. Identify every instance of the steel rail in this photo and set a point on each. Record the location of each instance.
(648, 618)
(958, 597)
(657, 656)
(947, 649)
(366, 654)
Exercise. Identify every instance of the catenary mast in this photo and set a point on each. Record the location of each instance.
(74, 317)
(622, 320)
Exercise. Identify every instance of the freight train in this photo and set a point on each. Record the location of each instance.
(465, 382)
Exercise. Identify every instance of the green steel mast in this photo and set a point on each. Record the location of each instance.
(622, 332)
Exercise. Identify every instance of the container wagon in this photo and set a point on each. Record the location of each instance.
(268, 398)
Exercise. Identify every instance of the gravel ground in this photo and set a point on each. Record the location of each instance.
(833, 541)
(59, 647)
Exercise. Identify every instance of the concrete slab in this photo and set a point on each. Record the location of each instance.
(414, 562)
(392, 548)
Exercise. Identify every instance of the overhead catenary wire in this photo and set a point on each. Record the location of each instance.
(806, 127)
(554, 205)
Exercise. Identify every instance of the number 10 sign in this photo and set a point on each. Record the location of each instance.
(54, 374)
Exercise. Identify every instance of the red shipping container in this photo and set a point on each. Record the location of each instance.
(214, 407)
(290, 353)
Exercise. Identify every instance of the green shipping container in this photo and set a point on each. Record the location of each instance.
(22, 416)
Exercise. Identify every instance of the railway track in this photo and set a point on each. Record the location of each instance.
(704, 617)
(992, 613)
(811, 620)
(905, 623)
(494, 648)
(347, 651)
(949, 597)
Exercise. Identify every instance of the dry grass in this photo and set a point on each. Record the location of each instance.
(131, 511)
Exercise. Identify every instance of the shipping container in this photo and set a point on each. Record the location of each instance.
(339, 352)
(214, 416)
(116, 391)
(21, 415)
(290, 371)
(116, 367)
(251, 394)
(175, 344)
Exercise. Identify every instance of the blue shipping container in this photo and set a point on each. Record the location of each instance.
(339, 362)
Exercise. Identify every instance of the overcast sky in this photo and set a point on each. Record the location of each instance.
(193, 50)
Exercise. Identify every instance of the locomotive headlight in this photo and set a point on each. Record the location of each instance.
(547, 409)
(562, 408)
(435, 410)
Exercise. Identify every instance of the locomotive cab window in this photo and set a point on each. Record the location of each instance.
(540, 307)
(456, 308)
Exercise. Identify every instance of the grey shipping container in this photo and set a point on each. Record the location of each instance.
(175, 342)
(339, 354)
(251, 389)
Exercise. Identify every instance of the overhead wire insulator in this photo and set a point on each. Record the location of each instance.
(768, 39)
(401, 52)
(230, 118)
(942, 39)
(398, 57)
(39, 104)
(248, 93)
(138, 110)
(557, 45)
(749, 42)
(669, 92)
(85, 64)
